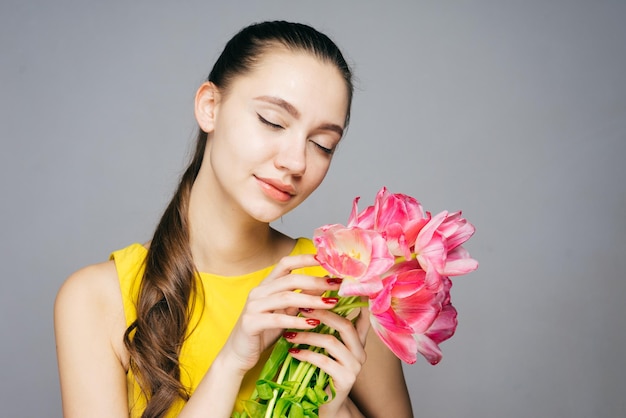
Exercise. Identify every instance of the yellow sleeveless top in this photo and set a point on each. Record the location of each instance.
(224, 298)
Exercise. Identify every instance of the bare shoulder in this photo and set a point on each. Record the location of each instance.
(89, 325)
(94, 287)
(90, 301)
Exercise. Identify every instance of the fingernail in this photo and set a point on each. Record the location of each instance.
(330, 301)
(313, 322)
(307, 310)
(334, 280)
(289, 334)
(294, 350)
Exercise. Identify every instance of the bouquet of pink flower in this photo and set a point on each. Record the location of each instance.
(394, 258)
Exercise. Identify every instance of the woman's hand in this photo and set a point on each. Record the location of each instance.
(344, 360)
(273, 306)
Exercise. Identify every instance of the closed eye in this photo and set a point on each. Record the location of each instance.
(328, 151)
(268, 123)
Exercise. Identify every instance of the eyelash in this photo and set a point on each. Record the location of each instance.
(325, 150)
(264, 121)
(268, 123)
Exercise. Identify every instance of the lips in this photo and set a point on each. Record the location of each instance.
(277, 184)
(276, 189)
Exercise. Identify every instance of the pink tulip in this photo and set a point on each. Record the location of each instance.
(407, 297)
(400, 340)
(356, 255)
(405, 304)
(458, 262)
(440, 330)
(455, 230)
(430, 248)
(397, 216)
(365, 219)
(409, 302)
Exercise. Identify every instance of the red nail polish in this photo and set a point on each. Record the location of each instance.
(294, 350)
(289, 334)
(330, 301)
(307, 310)
(334, 280)
(313, 322)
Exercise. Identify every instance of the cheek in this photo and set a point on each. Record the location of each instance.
(243, 145)
(317, 171)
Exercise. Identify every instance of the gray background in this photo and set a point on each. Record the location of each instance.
(514, 111)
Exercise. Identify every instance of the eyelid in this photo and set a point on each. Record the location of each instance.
(268, 123)
(325, 150)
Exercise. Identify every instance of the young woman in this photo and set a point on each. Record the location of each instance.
(182, 325)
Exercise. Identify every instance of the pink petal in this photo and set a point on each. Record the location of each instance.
(394, 235)
(420, 310)
(364, 220)
(456, 230)
(382, 301)
(342, 265)
(351, 287)
(399, 341)
(459, 262)
(460, 267)
(353, 253)
(428, 348)
(444, 326)
(427, 232)
(434, 280)
(413, 228)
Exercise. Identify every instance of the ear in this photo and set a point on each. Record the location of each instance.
(207, 98)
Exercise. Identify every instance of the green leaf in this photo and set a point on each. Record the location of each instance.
(264, 390)
(276, 359)
(281, 407)
(265, 385)
(310, 395)
(308, 407)
(296, 411)
(322, 397)
(294, 365)
(254, 409)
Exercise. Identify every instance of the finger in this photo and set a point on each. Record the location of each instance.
(343, 375)
(286, 264)
(333, 346)
(255, 324)
(350, 335)
(334, 283)
(305, 284)
(288, 301)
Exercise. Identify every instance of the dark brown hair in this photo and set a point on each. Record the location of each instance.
(169, 284)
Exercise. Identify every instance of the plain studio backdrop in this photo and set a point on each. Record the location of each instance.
(513, 111)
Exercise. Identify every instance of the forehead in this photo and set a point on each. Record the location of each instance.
(307, 82)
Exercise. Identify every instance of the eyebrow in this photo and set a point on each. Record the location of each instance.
(281, 103)
(289, 108)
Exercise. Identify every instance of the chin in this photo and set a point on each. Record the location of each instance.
(267, 214)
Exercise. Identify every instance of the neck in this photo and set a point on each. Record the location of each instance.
(228, 243)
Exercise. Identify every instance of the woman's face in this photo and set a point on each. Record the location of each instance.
(273, 133)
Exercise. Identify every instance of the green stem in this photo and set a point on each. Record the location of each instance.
(281, 377)
(304, 382)
(305, 371)
(349, 306)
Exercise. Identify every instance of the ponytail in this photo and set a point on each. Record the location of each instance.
(155, 338)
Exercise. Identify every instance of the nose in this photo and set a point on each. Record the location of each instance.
(291, 156)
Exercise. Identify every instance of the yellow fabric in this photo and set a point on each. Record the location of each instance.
(224, 298)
